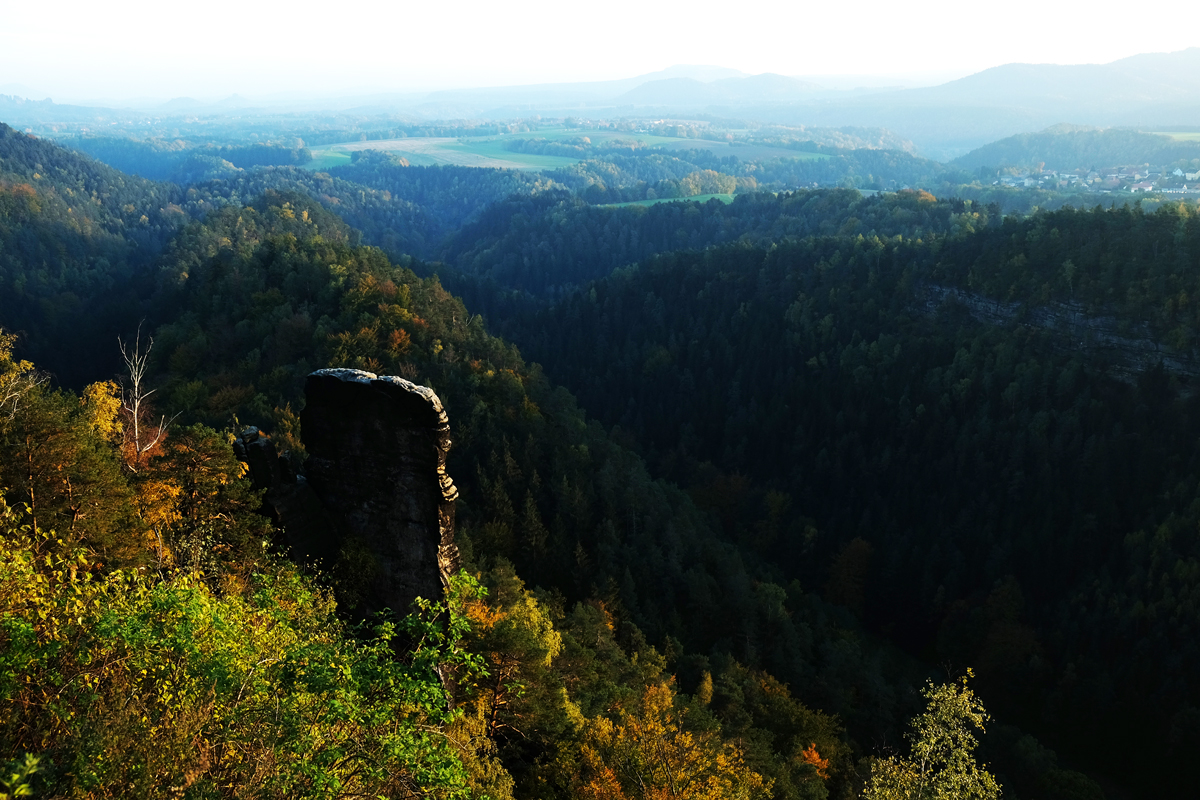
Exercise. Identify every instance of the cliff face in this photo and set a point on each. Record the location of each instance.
(1128, 349)
(377, 450)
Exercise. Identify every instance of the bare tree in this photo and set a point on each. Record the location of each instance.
(134, 396)
(17, 378)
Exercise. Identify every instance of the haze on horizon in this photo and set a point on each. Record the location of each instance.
(74, 51)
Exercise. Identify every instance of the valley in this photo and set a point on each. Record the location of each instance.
(713, 449)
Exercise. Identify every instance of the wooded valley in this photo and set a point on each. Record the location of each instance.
(767, 496)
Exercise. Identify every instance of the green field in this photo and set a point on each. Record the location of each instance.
(700, 198)
(490, 151)
(494, 147)
(1182, 136)
(483, 151)
(324, 159)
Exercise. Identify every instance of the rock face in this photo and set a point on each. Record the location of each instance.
(1129, 349)
(257, 451)
(377, 450)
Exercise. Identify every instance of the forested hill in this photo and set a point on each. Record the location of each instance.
(545, 243)
(962, 410)
(73, 233)
(185, 162)
(1072, 147)
(450, 194)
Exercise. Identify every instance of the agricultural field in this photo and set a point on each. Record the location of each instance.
(484, 151)
(491, 151)
(1181, 136)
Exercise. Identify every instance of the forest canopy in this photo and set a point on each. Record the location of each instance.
(746, 487)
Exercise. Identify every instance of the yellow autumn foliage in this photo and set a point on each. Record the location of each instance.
(649, 753)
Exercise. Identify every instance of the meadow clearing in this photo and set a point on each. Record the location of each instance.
(491, 151)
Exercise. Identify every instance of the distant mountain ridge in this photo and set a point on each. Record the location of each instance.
(689, 91)
(1149, 78)
(944, 121)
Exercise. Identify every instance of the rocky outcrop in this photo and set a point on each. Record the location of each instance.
(266, 469)
(300, 518)
(1127, 349)
(377, 450)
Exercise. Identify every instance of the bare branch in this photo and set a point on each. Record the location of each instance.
(14, 387)
(17, 378)
(134, 395)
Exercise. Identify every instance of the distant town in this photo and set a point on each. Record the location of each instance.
(1132, 179)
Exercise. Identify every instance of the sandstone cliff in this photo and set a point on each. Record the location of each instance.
(377, 450)
(374, 504)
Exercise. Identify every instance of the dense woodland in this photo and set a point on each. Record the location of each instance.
(184, 162)
(1071, 147)
(764, 484)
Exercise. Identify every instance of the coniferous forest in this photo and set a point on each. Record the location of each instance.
(800, 492)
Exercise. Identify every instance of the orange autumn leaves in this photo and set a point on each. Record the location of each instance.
(810, 756)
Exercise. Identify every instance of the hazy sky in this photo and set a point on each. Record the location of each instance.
(73, 50)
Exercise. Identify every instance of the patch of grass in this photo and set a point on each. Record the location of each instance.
(700, 198)
(324, 159)
(494, 148)
(428, 151)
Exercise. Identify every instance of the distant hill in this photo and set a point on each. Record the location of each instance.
(1069, 147)
(672, 92)
(737, 91)
(545, 95)
(766, 85)
(1138, 81)
(1151, 89)
(19, 111)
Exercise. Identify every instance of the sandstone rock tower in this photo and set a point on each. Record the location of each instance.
(377, 450)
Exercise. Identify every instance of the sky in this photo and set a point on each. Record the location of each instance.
(79, 50)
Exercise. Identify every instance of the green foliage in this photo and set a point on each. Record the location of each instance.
(16, 777)
(622, 175)
(783, 739)
(124, 683)
(65, 458)
(17, 378)
(942, 763)
(54, 461)
(964, 405)
(212, 523)
(649, 751)
(449, 194)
